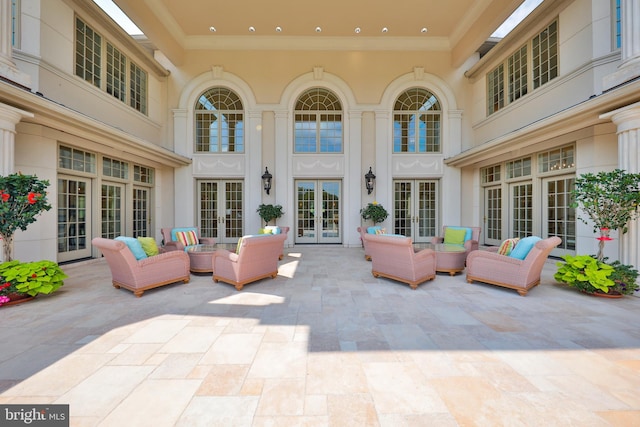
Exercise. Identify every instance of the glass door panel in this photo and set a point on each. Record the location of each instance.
(559, 216)
(330, 212)
(73, 218)
(306, 212)
(141, 212)
(208, 209)
(492, 216)
(233, 213)
(403, 208)
(522, 210)
(111, 210)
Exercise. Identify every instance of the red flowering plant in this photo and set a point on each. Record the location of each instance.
(22, 199)
(19, 279)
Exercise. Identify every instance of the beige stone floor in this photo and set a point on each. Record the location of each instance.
(324, 344)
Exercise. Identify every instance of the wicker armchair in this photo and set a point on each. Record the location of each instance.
(393, 257)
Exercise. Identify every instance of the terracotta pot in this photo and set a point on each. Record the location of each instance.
(16, 299)
(611, 294)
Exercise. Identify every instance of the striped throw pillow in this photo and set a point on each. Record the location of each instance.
(187, 238)
(507, 246)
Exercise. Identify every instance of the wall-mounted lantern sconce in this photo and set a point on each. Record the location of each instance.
(369, 179)
(266, 180)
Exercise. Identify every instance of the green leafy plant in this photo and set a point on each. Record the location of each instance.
(375, 212)
(29, 278)
(585, 273)
(624, 276)
(269, 212)
(609, 200)
(22, 199)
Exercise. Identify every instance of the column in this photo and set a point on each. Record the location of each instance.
(630, 49)
(627, 120)
(9, 118)
(8, 68)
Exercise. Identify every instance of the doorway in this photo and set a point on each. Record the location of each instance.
(74, 213)
(318, 214)
(221, 209)
(415, 209)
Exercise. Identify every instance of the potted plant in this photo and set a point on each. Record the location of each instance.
(269, 212)
(22, 199)
(374, 212)
(24, 280)
(608, 201)
(592, 276)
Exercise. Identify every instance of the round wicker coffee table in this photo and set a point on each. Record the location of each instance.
(200, 257)
(449, 258)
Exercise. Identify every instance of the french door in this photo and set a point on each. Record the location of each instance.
(221, 209)
(112, 210)
(521, 209)
(415, 209)
(492, 229)
(74, 218)
(558, 215)
(141, 212)
(318, 215)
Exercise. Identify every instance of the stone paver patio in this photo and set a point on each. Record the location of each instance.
(324, 344)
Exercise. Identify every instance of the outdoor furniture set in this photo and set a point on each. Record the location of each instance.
(515, 264)
(139, 267)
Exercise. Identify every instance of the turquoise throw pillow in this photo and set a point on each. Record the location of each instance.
(274, 229)
(134, 246)
(372, 230)
(523, 247)
(184, 230)
(454, 236)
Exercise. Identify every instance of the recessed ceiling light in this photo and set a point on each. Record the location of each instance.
(278, 29)
(252, 29)
(318, 29)
(423, 30)
(212, 29)
(385, 29)
(357, 30)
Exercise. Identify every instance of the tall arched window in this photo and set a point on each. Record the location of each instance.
(318, 122)
(219, 122)
(416, 122)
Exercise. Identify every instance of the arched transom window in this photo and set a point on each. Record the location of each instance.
(219, 122)
(416, 122)
(318, 122)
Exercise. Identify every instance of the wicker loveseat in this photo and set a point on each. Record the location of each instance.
(509, 272)
(140, 275)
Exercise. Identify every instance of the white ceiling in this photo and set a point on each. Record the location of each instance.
(459, 26)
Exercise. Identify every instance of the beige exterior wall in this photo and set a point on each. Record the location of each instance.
(269, 81)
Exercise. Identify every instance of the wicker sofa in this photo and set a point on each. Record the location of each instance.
(393, 257)
(257, 258)
(141, 275)
(506, 271)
